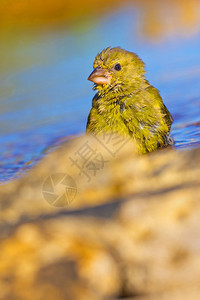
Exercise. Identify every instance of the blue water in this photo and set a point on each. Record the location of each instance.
(45, 95)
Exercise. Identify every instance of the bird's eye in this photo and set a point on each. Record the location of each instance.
(117, 67)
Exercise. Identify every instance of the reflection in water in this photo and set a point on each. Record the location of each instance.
(44, 93)
(182, 15)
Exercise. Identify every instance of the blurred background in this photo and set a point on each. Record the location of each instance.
(47, 50)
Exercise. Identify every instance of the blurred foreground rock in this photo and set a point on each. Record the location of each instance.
(132, 228)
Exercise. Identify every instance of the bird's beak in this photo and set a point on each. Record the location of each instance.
(100, 76)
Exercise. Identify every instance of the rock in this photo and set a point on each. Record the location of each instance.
(127, 226)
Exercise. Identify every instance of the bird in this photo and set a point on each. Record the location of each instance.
(125, 102)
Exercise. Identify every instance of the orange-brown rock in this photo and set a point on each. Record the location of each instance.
(132, 228)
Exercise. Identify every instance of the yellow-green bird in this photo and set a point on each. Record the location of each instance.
(126, 103)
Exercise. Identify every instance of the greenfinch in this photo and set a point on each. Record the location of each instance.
(126, 103)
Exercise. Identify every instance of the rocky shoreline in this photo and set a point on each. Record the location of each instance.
(119, 225)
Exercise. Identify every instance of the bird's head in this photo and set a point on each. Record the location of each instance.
(116, 68)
